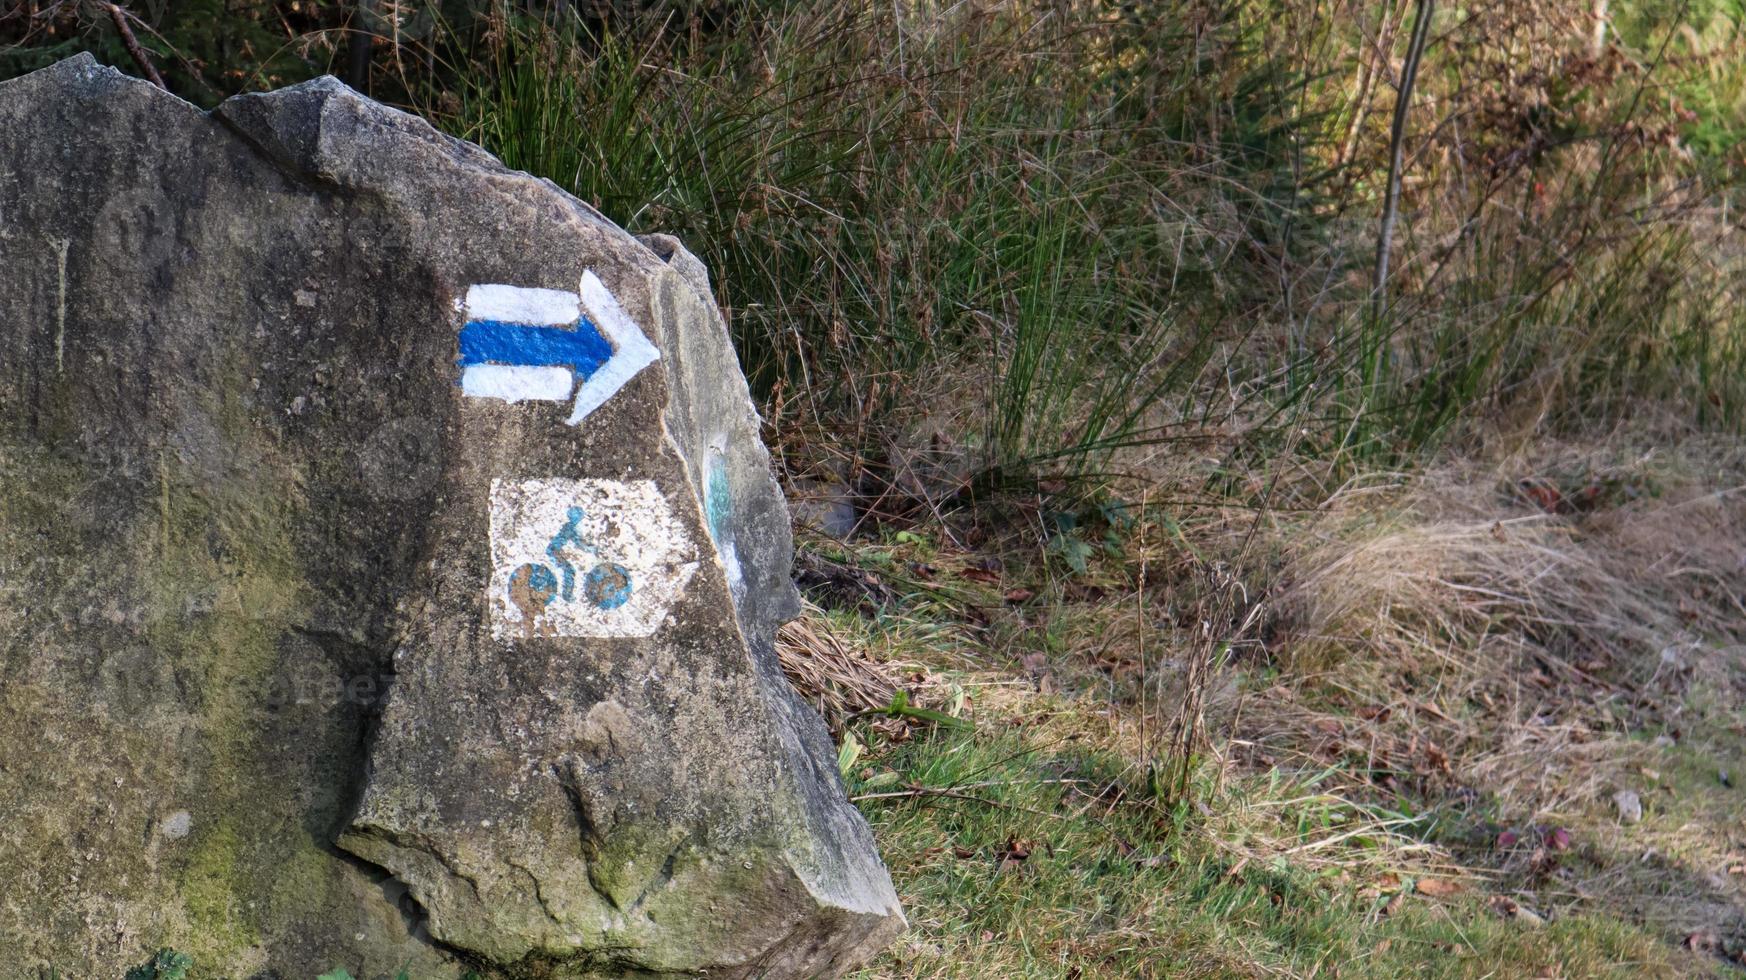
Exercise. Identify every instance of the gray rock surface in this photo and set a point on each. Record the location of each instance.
(372, 593)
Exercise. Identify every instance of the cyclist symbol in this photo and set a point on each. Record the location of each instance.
(607, 584)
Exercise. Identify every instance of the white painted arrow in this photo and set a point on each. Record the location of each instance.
(631, 350)
(554, 308)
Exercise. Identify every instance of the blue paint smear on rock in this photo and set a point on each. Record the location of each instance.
(717, 498)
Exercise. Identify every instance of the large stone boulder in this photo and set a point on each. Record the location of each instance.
(389, 568)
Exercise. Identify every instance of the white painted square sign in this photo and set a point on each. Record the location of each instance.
(584, 558)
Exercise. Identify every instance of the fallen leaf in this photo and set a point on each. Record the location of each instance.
(1431, 709)
(1438, 759)
(1585, 499)
(1019, 595)
(1509, 908)
(1437, 887)
(1702, 941)
(1507, 840)
(895, 730)
(1544, 495)
(1037, 665)
(980, 575)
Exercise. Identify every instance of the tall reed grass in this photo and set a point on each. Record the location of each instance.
(1022, 229)
(1020, 234)
(999, 224)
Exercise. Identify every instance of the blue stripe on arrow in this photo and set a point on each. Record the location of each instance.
(497, 342)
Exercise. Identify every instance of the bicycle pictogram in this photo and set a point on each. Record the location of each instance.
(606, 585)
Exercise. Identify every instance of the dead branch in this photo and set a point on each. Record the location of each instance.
(119, 16)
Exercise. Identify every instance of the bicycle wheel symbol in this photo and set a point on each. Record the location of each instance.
(533, 585)
(532, 588)
(607, 585)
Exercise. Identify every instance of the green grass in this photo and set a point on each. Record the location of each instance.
(1015, 244)
(1319, 838)
(1113, 887)
(165, 964)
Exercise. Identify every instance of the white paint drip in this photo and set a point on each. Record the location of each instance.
(632, 350)
(588, 557)
(730, 561)
(521, 304)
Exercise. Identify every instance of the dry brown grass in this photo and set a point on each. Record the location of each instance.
(1438, 658)
(836, 677)
(1459, 635)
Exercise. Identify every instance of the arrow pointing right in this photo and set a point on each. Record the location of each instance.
(521, 343)
(631, 349)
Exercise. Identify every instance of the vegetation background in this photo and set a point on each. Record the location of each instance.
(1193, 596)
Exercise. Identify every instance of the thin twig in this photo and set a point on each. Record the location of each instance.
(1409, 73)
(188, 66)
(363, 40)
(119, 16)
